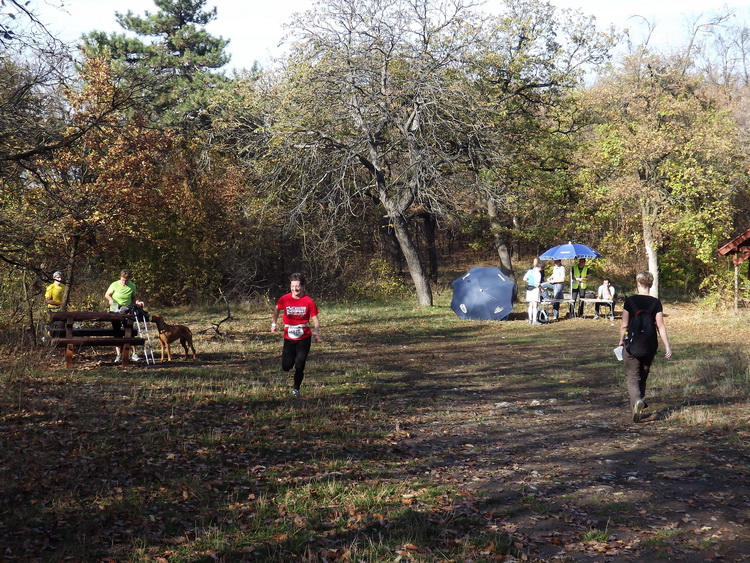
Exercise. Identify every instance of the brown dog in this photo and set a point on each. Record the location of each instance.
(170, 333)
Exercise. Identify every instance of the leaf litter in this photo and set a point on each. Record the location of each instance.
(465, 457)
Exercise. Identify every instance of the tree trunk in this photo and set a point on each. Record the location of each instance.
(395, 203)
(29, 305)
(649, 220)
(430, 225)
(72, 255)
(505, 261)
(421, 283)
(391, 242)
(501, 242)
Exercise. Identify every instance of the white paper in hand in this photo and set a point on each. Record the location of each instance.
(618, 353)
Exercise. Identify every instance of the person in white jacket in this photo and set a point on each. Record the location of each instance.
(555, 283)
(606, 292)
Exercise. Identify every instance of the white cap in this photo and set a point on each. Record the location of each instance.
(57, 276)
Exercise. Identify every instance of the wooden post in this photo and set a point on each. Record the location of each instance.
(69, 356)
(736, 288)
(126, 355)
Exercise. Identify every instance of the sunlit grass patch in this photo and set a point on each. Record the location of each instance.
(535, 504)
(613, 510)
(369, 521)
(594, 535)
(712, 383)
(575, 391)
(724, 374)
(697, 415)
(662, 538)
(339, 499)
(668, 533)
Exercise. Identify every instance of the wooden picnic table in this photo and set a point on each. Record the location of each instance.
(68, 330)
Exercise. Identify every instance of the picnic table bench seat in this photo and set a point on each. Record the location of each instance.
(100, 341)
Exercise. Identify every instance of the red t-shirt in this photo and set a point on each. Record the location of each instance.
(296, 312)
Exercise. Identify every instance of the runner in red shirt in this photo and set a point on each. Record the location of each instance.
(298, 311)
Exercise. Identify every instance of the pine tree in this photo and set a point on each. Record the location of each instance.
(172, 75)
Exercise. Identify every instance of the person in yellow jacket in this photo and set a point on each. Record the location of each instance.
(55, 293)
(580, 273)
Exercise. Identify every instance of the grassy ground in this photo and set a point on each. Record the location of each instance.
(419, 437)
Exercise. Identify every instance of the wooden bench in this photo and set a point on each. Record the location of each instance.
(65, 332)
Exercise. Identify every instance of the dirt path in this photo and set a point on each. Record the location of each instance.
(541, 429)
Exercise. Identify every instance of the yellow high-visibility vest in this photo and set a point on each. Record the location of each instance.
(578, 273)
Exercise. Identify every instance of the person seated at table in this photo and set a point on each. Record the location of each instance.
(607, 292)
(555, 282)
(123, 293)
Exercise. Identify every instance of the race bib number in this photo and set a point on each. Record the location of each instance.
(295, 332)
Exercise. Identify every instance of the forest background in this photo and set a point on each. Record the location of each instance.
(396, 143)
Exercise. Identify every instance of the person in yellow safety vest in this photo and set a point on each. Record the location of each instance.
(580, 275)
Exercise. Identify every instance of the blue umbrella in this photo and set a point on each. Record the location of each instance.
(570, 250)
(483, 294)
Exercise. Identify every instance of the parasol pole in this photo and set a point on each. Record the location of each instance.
(571, 278)
(570, 242)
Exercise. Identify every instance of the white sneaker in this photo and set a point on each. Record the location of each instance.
(296, 394)
(118, 359)
(638, 410)
(135, 357)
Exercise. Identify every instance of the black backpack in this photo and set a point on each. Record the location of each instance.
(138, 312)
(542, 317)
(641, 337)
